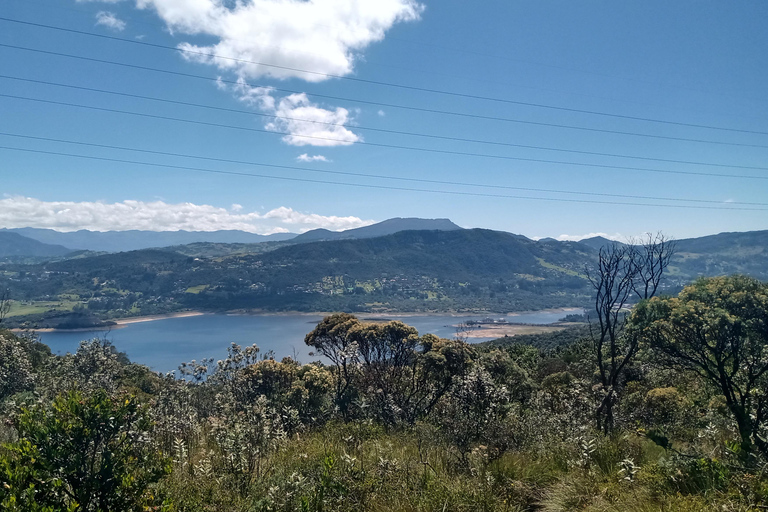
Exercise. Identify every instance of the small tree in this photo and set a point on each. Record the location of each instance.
(402, 374)
(16, 372)
(474, 412)
(331, 338)
(718, 328)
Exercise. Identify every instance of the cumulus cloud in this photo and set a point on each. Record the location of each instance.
(575, 238)
(311, 158)
(324, 36)
(310, 125)
(381, 113)
(17, 212)
(109, 20)
(305, 123)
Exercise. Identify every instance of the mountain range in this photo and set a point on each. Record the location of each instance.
(120, 241)
(14, 245)
(384, 228)
(723, 253)
(449, 269)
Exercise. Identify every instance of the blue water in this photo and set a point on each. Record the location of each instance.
(164, 344)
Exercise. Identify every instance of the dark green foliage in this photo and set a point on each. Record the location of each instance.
(398, 375)
(81, 453)
(395, 421)
(718, 328)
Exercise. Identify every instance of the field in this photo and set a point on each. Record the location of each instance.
(19, 308)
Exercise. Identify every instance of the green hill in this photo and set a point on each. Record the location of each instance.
(410, 271)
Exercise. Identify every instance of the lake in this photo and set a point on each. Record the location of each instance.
(164, 344)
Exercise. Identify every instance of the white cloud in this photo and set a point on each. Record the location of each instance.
(311, 158)
(381, 113)
(310, 125)
(325, 36)
(109, 20)
(292, 217)
(305, 122)
(575, 238)
(257, 97)
(17, 212)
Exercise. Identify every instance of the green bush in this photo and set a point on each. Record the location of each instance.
(81, 453)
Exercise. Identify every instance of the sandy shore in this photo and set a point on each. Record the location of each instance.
(118, 323)
(103, 328)
(388, 314)
(486, 331)
(501, 330)
(151, 318)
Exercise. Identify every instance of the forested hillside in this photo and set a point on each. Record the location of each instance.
(463, 270)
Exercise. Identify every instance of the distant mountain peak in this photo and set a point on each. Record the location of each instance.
(14, 244)
(596, 242)
(383, 228)
(131, 240)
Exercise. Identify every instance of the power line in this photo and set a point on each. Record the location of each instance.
(382, 130)
(414, 148)
(467, 51)
(337, 98)
(362, 175)
(356, 79)
(384, 187)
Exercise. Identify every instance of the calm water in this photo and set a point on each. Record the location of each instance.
(164, 344)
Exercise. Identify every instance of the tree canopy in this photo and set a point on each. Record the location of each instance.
(718, 328)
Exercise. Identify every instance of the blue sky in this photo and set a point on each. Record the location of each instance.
(325, 84)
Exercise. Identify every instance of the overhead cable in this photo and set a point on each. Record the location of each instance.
(384, 187)
(411, 148)
(363, 175)
(357, 79)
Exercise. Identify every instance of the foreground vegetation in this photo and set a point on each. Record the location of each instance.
(399, 421)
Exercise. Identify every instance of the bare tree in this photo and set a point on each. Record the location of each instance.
(5, 303)
(651, 256)
(463, 329)
(624, 273)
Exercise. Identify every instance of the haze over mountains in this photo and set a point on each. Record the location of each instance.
(118, 241)
(13, 244)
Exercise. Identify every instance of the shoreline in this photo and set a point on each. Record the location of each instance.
(122, 322)
(152, 318)
(116, 323)
(404, 314)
